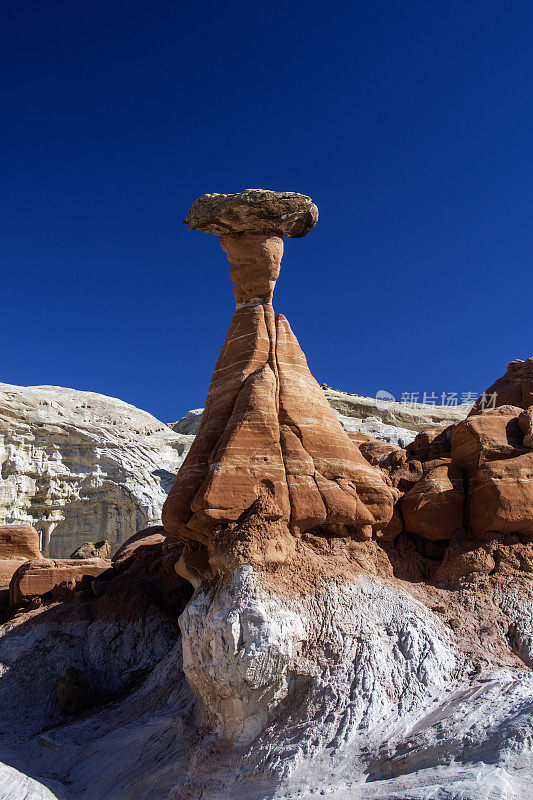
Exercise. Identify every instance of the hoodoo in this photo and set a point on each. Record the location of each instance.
(269, 444)
(324, 612)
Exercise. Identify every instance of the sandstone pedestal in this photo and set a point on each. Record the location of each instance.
(267, 429)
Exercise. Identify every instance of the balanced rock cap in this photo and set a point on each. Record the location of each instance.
(253, 211)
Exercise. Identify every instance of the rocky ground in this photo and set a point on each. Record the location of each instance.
(350, 682)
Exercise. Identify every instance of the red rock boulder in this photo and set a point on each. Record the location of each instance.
(431, 443)
(382, 454)
(433, 508)
(525, 420)
(501, 497)
(150, 539)
(492, 435)
(515, 388)
(40, 576)
(489, 446)
(8, 567)
(19, 541)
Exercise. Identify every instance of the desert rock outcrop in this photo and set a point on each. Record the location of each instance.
(433, 507)
(350, 624)
(515, 388)
(266, 423)
(40, 576)
(525, 420)
(475, 474)
(359, 413)
(19, 541)
(501, 495)
(492, 435)
(79, 466)
(489, 447)
(92, 550)
(148, 538)
(395, 422)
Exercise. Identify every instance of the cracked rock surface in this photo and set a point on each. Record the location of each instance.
(253, 211)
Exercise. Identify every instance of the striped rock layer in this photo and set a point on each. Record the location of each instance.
(268, 427)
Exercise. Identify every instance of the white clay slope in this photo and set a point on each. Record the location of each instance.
(354, 691)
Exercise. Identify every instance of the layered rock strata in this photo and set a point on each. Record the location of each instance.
(18, 543)
(40, 576)
(378, 417)
(79, 466)
(333, 648)
(394, 422)
(267, 427)
(332, 674)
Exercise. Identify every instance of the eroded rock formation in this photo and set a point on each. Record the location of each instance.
(18, 543)
(267, 427)
(79, 466)
(38, 577)
(515, 388)
(362, 617)
(394, 422)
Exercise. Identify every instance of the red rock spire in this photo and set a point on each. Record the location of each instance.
(267, 428)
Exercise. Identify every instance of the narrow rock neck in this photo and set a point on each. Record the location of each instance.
(255, 264)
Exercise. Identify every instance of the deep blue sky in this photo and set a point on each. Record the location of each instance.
(410, 124)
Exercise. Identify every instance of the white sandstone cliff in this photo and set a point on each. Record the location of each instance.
(80, 466)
